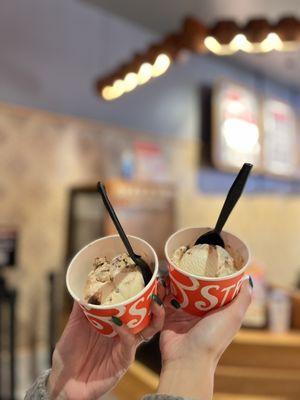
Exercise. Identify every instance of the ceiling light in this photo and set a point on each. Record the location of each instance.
(161, 65)
(144, 73)
(224, 38)
(114, 91)
(118, 88)
(271, 42)
(107, 93)
(240, 42)
(214, 46)
(130, 81)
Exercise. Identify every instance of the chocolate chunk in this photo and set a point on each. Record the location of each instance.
(94, 300)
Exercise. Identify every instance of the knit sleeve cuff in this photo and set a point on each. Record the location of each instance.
(38, 391)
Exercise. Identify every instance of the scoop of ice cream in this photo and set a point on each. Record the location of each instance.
(111, 282)
(204, 260)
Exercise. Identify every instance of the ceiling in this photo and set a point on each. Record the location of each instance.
(162, 16)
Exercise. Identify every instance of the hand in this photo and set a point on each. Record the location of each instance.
(191, 346)
(87, 364)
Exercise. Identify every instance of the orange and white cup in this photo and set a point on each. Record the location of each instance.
(134, 312)
(196, 294)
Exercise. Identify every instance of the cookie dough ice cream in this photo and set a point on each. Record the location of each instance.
(204, 260)
(113, 281)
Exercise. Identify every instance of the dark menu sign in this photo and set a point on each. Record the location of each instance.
(8, 246)
(280, 144)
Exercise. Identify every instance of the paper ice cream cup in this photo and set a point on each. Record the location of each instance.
(134, 312)
(198, 295)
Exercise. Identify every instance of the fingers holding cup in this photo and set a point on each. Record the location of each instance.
(157, 320)
(133, 312)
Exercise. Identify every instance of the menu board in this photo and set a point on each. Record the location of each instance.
(236, 133)
(280, 144)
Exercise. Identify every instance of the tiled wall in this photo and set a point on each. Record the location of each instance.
(42, 155)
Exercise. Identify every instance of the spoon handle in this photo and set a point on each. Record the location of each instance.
(233, 195)
(101, 189)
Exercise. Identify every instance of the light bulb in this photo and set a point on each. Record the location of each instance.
(161, 65)
(144, 73)
(118, 88)
(114, 91)
(214, 46)
(240, 42)
(107, 93)
(130, 81)
(271, 42)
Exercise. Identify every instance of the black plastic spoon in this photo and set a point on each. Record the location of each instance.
(213, 237)
(145, 269)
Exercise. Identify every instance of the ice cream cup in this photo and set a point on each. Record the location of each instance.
(134, 312)
(198, 295)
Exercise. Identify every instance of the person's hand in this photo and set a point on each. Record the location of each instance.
(87, 364)
(191, 346)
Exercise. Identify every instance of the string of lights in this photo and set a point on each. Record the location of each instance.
(222, 39)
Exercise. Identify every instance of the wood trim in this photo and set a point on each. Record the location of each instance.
(266, 338)
(258, 381)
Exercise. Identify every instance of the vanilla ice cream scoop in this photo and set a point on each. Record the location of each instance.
(204, 260)
(112, 282)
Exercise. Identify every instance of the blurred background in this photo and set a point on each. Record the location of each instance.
(164, 101)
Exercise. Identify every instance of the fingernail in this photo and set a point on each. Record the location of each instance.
(175, 303)
(156, 299)
(250, 281)
(116, 321)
